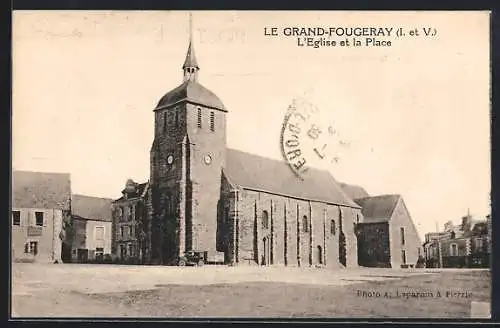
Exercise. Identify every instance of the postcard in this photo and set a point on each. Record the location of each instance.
(250, 164)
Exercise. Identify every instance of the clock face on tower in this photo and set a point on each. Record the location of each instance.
(170, 159)
(207, 159)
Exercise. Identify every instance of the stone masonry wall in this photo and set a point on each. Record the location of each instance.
(297, 233)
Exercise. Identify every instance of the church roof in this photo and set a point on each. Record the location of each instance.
(354, 191)
(191, 91)
(274, 176)
(41, 190)
(377, 209)
(91, 208)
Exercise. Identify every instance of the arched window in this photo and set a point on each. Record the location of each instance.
(265, 220)
(305, 224)
(199, 117)
(332, 227)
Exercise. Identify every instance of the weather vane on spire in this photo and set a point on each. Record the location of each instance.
(190, 66)
(190, 27)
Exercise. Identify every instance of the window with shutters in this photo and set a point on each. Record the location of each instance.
(39, 218)
(16, 218)
(479, 244)
(31, 247)
(453, 250)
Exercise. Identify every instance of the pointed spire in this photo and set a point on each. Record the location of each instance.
(190, 66)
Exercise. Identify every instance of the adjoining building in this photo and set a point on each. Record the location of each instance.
(41, 206)
(387, 236)
(460, 246)
(92, 231)
(131, 228)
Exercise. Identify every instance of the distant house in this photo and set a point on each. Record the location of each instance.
(460, 246)
(387, 236)
(131, 227)
(40, 203)
(91, 222)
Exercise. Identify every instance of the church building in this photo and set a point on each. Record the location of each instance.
(203, 196)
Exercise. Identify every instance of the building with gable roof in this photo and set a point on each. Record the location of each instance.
(387, 236)
(91, 228)
(41, 203)
(203, 196)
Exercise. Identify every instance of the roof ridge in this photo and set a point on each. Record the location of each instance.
(41, 172)
(87, 196)
(379, 196)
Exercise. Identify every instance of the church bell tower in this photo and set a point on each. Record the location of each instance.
(186, 159)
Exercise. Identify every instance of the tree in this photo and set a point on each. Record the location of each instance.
(66, 236)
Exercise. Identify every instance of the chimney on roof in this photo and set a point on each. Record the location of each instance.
(467, 221)
(130, 186)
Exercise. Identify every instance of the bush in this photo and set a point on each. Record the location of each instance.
(420, 262)
(24, 260)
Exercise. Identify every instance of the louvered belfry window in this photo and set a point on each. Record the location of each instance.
(212, 121)
(199, 117)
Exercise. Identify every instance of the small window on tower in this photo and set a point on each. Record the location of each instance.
(212, 121)
(199, 117)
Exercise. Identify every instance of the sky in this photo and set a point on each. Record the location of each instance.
(414, 117)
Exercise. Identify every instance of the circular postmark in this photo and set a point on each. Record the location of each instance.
(309, 136)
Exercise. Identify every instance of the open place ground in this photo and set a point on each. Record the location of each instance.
(80, 290)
